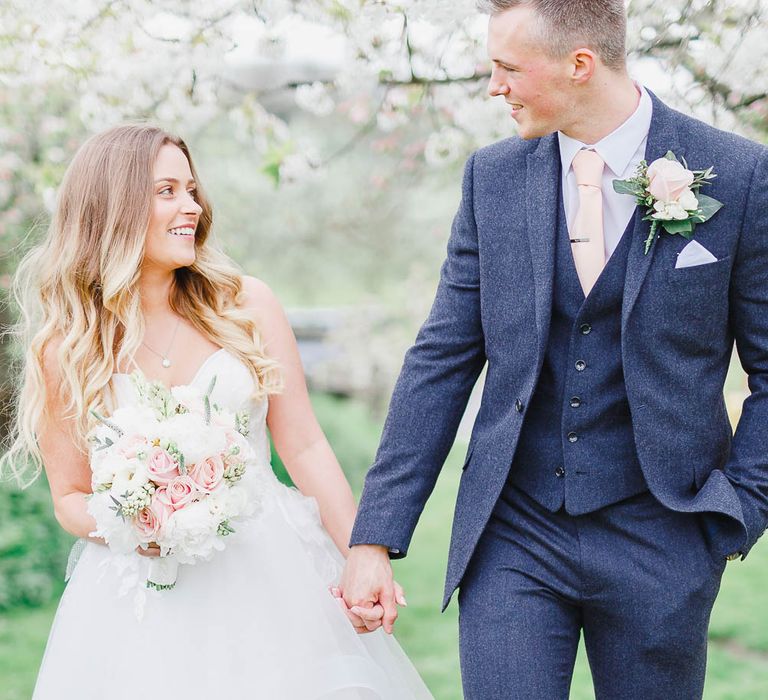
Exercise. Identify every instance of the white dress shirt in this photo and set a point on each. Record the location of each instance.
(622, 150)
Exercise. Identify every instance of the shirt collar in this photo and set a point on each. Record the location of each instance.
(618, 148)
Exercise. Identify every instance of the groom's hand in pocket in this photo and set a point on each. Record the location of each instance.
(367, 581)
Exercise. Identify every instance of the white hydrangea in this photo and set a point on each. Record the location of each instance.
(666, 211)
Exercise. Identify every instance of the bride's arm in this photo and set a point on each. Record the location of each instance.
(67, 469)
(298, 438)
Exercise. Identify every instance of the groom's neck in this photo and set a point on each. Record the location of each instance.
(605, 104)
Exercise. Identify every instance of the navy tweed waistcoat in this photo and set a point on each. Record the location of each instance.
(577, 447)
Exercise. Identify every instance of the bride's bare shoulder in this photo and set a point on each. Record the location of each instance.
(257, 297)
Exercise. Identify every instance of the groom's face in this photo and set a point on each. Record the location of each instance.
(534, 84)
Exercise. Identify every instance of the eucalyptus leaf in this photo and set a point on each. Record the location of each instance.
(670, 156)
(627, 187)
(677, 226)
(708, 207)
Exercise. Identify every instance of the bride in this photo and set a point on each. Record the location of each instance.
(128, 280)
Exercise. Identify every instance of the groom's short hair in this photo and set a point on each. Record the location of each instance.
(600, 25)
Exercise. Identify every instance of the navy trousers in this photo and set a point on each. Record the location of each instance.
(637, 578)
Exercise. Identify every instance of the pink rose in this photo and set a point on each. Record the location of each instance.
(178, 493)
(668, 179)
(161, 466)
(147, 524)
(160, 507)
(208, 473)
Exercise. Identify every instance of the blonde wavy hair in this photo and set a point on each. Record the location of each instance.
(80, 286)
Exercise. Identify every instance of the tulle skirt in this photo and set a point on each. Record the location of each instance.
(256, 621)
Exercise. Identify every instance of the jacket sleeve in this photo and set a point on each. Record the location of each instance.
(431, 393)
(747, 466)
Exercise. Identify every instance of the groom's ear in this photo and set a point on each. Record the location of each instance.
(583, 63)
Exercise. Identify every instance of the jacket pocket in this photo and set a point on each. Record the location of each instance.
(706, 273)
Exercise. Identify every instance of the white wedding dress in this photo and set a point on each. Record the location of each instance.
(257, 621)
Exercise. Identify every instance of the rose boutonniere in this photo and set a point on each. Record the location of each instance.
(669, 192)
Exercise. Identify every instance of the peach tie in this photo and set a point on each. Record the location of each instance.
(587, 240)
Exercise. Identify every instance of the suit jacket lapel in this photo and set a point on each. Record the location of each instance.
(662, 137)
(542, 188)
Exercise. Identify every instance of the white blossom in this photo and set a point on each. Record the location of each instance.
(299, 167)
(444, 146)
(315, 99)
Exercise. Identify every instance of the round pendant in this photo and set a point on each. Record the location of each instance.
(166, 362)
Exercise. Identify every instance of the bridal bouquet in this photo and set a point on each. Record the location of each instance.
(172, 471)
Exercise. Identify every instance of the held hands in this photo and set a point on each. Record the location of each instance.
(368, 619)
(367, 591)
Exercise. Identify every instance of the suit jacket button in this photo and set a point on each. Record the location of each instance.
(580, 365)
(575, 402)
(519, 406)
(559, 472)
(585, 329)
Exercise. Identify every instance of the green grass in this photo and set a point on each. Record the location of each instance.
(22, 640)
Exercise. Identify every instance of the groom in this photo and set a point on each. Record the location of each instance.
(602, 489)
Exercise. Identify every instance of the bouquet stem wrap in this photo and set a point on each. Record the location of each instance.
(162, 573)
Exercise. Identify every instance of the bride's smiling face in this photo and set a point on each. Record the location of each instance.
(170, 242)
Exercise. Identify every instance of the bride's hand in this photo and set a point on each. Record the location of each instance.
(152, 551)
(366, 620)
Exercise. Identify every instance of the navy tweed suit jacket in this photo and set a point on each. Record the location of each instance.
(493, 304)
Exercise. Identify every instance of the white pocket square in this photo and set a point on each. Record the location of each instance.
(694, 254)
